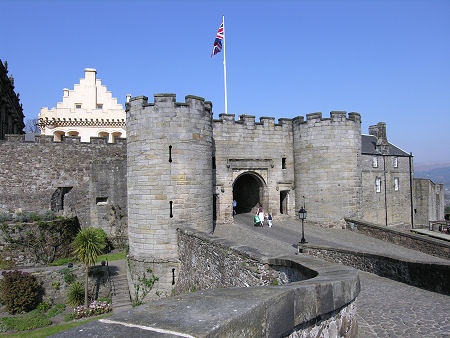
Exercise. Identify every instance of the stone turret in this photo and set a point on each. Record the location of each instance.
(169, 181)
(327, 165)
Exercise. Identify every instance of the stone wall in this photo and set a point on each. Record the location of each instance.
(108, 198)
(207, 264)
(428, 202)
(398, 203)
(339, 323)
(431, 246)
(258, 149)
(32, 172)
(430, 276)
(327, 165)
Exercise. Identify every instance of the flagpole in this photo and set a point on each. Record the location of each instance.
(224, 64)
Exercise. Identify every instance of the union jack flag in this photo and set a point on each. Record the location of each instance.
(218, 41)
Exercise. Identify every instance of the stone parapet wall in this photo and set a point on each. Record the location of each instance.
(31, 172)
(430, 276)
(207, 263)
(431, 246)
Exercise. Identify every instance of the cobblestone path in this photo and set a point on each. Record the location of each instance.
(386, 308)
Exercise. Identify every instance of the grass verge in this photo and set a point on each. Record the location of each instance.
(48, 331)
(112, 257)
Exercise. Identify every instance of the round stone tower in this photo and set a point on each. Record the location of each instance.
(327, 155)
(169, 163)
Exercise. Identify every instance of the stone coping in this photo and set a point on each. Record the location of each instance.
(270, 311)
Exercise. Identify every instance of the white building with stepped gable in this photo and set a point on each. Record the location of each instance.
(89, 110)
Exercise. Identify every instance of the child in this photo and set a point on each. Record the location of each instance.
(269, 219)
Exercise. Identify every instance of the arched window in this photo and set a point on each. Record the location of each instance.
(116, 134)
(73, 133)
(104, 134)
(57, 135)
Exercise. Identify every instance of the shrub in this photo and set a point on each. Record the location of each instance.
(31, 320)
(68, 317)
(56, 310)
(43, 307)
(6, 217)
(69, 277)
(19, 291)
(75, 295)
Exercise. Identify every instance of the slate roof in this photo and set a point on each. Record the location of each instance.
(368, 143)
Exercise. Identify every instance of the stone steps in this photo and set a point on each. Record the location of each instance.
(120, 294)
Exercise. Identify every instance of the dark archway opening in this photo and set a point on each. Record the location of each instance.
(57, 199)
(247, 192)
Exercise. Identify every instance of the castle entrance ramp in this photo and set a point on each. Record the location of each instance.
(248, 192)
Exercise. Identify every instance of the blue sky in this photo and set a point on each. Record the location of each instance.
(387, 60)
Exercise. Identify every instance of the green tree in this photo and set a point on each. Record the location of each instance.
(89, 244)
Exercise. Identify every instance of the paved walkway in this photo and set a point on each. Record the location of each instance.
(386, 308)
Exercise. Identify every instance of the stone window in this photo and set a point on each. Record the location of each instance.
(378, 184)
(375, 162)
(396, 185)
(395, 162)
(101, 200)
(77, 105)
(283, 163)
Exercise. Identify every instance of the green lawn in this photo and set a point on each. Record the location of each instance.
(112, 257)
(48, 331)
(109, 257)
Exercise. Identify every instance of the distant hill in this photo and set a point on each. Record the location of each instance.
(437, 175)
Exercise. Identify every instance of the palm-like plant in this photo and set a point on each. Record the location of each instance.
(89, 245)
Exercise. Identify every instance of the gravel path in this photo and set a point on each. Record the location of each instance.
(386, 308)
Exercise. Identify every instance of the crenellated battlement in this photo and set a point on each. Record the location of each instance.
(169, 100)
(249, 121)
(48, 139)
(335, 116)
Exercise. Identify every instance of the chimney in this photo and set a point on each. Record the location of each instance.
(66, 92)
(382, 142)
(90, 88)
(128, 97)
(373, 130)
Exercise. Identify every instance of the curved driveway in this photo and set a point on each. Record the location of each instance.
(386, 308)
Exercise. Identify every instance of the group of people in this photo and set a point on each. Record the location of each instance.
(260, 217)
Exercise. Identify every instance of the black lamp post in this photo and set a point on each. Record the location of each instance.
(302, 216)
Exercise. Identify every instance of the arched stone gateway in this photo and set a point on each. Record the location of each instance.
(248, 191)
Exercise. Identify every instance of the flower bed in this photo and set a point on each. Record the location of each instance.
(95, 308)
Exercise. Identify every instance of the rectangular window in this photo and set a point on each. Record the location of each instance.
(375, 162)
(395, 162)
(99, 106)
(101, 200)
(378, 184)
(396, 184)
(77, 105)
(283, 163)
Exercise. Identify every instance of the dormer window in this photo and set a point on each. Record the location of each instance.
(77, 105)
(100, 106)
(375, 162)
